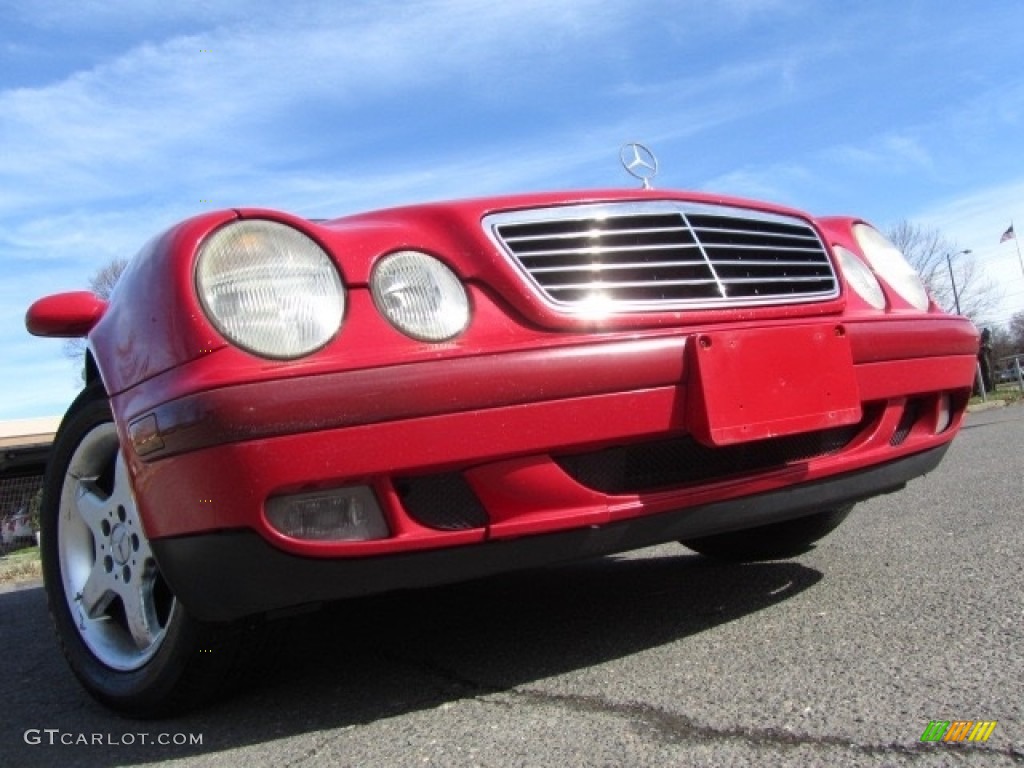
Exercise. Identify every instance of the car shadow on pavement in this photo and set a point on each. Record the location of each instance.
(371, 658)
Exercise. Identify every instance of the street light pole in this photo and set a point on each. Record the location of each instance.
(952, 280)
(979, 379)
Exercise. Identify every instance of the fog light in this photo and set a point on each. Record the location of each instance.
(944, 416)
(341, 514)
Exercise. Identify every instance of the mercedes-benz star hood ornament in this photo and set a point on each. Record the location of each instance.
(639, 162)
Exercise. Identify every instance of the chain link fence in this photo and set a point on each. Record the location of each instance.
(24, 450)
(17, 492)
(19, 499)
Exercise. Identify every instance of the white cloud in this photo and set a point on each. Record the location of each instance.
(772, 182)
(184, 111)
(46, 382)
(93, 15)
(325, 109)
(885, 155)
(976, 221)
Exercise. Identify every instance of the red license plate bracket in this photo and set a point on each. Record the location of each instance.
(756, 384)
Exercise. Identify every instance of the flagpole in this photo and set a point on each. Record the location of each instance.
(1017, 243)
(1011, 234)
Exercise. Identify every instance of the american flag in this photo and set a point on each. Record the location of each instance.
(1007, 235)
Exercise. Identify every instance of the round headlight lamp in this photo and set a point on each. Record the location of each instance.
(861, 279)
(420, 296)
(888, 263)
(269, 289)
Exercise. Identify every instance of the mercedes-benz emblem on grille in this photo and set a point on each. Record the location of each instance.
(639, 162)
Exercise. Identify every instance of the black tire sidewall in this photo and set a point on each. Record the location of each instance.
(775, 541)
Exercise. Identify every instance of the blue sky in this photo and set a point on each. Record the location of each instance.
(119, 118)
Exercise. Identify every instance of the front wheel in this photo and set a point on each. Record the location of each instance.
(129, 641)
(771, 542)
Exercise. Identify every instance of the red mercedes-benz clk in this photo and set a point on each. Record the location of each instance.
(280, 412)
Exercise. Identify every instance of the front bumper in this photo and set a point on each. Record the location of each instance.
(526, 439)
(227, 575)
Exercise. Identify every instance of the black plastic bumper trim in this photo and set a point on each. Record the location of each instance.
(227, 575)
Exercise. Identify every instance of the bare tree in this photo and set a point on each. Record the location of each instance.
(1003, 343)
(102, 284)
(935, 257)
(1017, 332)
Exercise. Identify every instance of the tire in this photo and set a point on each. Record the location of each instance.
(127, 639)
(771, 542)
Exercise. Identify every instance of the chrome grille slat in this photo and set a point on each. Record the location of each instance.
(762, 263)
(724, 231)
(626, 284)
(589, 233)
(655, 255)
(789, 248)
(757, 281)
(610, 267)
(604, 249)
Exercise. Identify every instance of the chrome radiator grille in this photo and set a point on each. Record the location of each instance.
(664, 255)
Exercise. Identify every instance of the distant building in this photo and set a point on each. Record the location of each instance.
(24, 449)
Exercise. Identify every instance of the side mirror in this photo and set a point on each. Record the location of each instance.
(65, 315)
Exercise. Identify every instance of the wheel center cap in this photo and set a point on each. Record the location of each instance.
(120, 544)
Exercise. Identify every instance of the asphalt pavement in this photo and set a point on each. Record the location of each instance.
(911, 612)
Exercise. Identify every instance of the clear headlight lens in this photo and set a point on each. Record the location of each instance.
(889, 264)
(269, 289)
(860, 278)
(420, 296)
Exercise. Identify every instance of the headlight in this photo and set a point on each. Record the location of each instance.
(887, 261)
(860, 278)
(269, 289)
(420, 296)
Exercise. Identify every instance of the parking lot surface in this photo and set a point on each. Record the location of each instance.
(910, 613)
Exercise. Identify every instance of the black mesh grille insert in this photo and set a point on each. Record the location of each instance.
(907, 421)
(684, 461)
(445, 501)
